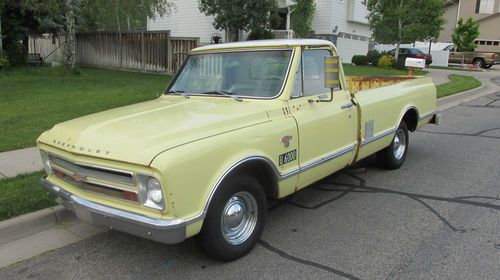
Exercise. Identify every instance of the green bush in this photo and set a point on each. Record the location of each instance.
(359, 60)
(260, 34)
(16, 54)
(386, 61)
(373, 56)
(4, 64)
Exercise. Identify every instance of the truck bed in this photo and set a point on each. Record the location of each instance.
(358, 83)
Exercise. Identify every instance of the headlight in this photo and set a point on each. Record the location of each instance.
(154, 190)
(46, 162)
(151, 192)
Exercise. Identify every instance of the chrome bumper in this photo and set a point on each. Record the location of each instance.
(161, 230)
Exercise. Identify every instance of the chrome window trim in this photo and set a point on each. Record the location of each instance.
(283, 84)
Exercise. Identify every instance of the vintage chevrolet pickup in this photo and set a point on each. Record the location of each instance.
(238, 124)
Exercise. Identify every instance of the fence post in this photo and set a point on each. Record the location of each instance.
(169, 55)
(121, 49)
(142, 50)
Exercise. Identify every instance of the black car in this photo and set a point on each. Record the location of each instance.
(412, 52)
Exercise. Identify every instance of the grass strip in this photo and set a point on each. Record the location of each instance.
(457, 83)
(23, 194)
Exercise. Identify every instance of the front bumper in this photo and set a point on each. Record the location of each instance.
(169, 231)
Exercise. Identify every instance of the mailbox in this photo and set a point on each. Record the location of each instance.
(415, 62)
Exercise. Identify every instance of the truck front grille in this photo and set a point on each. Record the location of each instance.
(104, 180)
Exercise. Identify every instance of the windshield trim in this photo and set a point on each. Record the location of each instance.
(280, 92)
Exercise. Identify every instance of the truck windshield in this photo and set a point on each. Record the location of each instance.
(257, 74)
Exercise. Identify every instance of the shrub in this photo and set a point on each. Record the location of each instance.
(261, 33)
(386, 60)
(373, 56)
(16, 54)
(359, 60)
(4, 64)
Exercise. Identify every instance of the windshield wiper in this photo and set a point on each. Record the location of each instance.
(224, 93)
(178, 92)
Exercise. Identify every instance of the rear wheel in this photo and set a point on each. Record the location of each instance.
(478, 62)
(393, 156)
(235, 218)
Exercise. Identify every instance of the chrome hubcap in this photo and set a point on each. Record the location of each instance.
(399, 145)
(239, 218)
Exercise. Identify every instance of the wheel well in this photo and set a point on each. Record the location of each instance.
(411, 119)
(263, 172)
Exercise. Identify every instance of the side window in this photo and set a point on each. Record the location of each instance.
(313, 62)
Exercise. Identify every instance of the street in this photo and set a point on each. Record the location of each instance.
(438, 217)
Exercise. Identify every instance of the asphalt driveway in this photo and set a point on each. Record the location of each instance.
(438, 217)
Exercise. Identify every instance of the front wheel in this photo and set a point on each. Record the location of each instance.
(393, 156)
(235, 218)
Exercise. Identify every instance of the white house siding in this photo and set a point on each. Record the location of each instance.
(350, 47)
(346, 18)
(186, 20)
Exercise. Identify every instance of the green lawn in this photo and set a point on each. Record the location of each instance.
(367, 70)
(32, 100)
(457, 83)
(456, 68)
(23, 194)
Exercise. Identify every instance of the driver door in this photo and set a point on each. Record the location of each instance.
(327, 128)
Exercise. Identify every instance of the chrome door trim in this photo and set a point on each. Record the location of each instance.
(378, 136)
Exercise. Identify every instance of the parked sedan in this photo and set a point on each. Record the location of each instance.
(412, 52)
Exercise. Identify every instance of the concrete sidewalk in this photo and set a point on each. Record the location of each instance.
(20, 161)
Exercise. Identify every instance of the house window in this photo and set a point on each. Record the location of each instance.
(495, 43)
(485, 6)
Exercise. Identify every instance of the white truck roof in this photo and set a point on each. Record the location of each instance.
(265, 43)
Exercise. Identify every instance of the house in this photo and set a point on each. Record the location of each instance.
(485, 12)
(343, 22)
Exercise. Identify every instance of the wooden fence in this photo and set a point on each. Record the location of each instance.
(143, 51)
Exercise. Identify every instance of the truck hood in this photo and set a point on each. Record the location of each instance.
(137, 133)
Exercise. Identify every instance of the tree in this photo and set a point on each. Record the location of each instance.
(465, 34)
(24, 19)
(234, 15)
(405, 21)
(116, 14)
(69, 44)
(302, 17)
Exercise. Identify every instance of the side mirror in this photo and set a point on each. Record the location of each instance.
(332, 77)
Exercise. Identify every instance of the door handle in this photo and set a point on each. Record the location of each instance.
(347, 106)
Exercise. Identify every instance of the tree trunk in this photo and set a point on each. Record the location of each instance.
(69, 45)
(1, 43)
(128, 24)
(117, 20)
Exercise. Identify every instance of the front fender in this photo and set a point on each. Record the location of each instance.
(192, 172)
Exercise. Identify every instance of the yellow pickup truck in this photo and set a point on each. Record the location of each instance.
(238, 124)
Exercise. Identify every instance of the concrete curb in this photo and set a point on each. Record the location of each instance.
(31, 223)
(487, 87)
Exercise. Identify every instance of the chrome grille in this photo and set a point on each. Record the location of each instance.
(99, 172)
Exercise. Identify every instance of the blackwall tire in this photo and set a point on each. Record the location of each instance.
(235, 218)
(393, 156)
